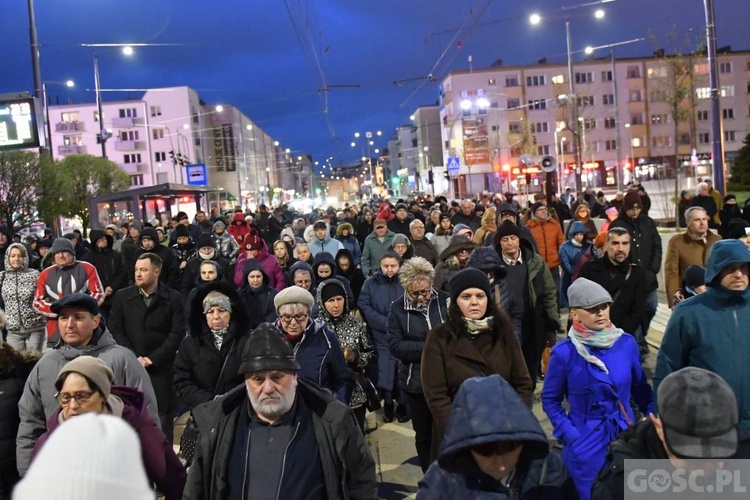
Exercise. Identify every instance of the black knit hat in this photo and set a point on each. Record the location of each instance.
(204, 240)
(267, 349)
(468, 278)
(330, 290)
(508, 228)
(736, 229)
(694, 276)
(181, 230)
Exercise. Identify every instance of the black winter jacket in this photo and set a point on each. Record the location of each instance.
(645, 244)
(108, 264)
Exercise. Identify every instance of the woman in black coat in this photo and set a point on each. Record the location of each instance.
(365, 226)
(208, 359)
(14, 369)
(257, 294)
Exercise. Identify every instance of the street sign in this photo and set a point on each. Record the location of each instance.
(454, 165)
(196, 174)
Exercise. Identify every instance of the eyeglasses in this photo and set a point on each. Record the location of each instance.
(420, 293)
(81, 397)
(302, 282)
(299, 318)
(497, 448)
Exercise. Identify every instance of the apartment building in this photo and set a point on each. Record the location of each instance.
(490, 117)
(149, 136)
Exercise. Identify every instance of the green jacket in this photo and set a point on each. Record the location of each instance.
(373, 252)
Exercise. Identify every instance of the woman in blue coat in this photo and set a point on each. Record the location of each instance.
(375, 303)
(597, 369)
(570, 253)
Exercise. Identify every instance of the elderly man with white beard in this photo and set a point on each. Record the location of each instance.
(278, 435)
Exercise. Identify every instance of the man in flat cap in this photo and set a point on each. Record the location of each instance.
(82, 334)
(279, 435)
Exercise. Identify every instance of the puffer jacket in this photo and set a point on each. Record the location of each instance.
(407, 332)
(258, 300)
(270, 264)
(548, 236)
(488, 410)
(352, 335)
(238, 228)
(17, 289)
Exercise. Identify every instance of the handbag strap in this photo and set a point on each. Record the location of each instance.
(625, 413)
(224, 365)
(627, 277)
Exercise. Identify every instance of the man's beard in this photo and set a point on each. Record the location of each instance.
(273, 410)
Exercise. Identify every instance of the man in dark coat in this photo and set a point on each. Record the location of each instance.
(624, 281)
(108, 264)
(421, 245)
(205, 250)
(170, 270)
(6, 238)
(707, 202)
(400, 223)
(279, 435)
(148, 318)
(467, 216)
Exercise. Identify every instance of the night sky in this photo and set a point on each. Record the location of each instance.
(270, 58)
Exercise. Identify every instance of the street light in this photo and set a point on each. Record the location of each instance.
(128, 51)
(45, 103)
(370, 143)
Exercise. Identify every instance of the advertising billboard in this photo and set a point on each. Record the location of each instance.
(18, 124)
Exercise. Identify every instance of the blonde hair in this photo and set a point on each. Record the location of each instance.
(416, 269)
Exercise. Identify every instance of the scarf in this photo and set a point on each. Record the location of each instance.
(219, 336)
(477, 326)
(420, 308)
(601, 339)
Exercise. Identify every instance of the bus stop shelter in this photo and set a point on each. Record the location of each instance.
(161, 201)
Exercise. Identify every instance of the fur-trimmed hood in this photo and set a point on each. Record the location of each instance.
(240, 319)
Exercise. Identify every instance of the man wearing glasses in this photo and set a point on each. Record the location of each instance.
(82, 333)
(316, 347)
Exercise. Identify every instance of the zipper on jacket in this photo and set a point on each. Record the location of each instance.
(247, 459)
(283, 462)
(408, 379)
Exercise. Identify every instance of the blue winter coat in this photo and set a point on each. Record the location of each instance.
(375, 303)
(488, 410)
(570, 254)
(709, 330)
(407, 332)
(322, 360)
(595, 418)
(352, 244)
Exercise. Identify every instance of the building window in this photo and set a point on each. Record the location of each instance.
(610, 122)
(128, 113)
(69, 140)
(584, 78)
(608, 99)
(70, 116)
(514, 103)
(657, 96)
(160, 156)
(132, 158)
(158, 133)
(539, 127)
(128, 135)
(558, 79)
(589, 124)
(197, 141)
(535, 81)
(514, 127)
(659, 72)
(661, 119)
(538, 104)
(728, 113)
(729, 136)
(155, 110)
(636, 142)
(586, 100)
(634, 72)
(704, 138)
(725, 67)
(636, 119)
(606, 76)
(511, 81)
(610, 144)
(542, 150)
(702, 115)
(136, 180)
(700, 69)
(662, 141)
(491, 82)
(684, 138)
(565, 147)
(635, 95)
(727, 91)
(595, 146)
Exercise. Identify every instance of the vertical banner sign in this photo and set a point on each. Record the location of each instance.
(476, 148)
(220, 153)
(227, 135)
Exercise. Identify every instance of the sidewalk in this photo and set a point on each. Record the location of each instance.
(392, 444)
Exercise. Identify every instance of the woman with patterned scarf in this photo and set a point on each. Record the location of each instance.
(597, 369)
(476, 340)
(352, 335)
(420, 310)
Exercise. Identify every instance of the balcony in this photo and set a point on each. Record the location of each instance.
(69, 127)
(134, 168)
(128, 145)
(71, 149)
(124, 122)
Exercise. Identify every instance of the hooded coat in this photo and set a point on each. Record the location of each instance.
(269, 262)
(258, 300)
(238, 228)
(353, 274)
(108, 264)
(373, 251)
(709, 330)
(201, 371)
(364, 228)
(163, 468)
(17, 289)
(192, 271)
(488, 410)
(375, 303)
(38, 402)
(448, 266)
(489, 239)
(570, 253)
(327, 244)
(350, 242)
(597, 400)
(352, 335)
(9, 238)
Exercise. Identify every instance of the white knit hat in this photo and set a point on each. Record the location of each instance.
(89, 457)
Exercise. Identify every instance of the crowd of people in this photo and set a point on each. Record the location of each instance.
(278, 331)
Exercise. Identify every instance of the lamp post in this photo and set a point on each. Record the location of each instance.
(615, 103)
(632, 154)
(128, 51)
(45, 103)
(370, 143)
(717, 150)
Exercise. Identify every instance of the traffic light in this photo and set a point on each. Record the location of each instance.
(430, 177)
(171, 155)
